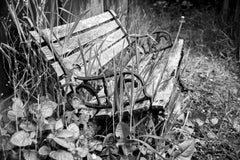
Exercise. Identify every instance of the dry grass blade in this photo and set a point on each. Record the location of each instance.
(70, 14)
(13, 13)
(154, 137)
(83, 57)
(52, 19)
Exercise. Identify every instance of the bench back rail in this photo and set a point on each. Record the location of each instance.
(101, 37)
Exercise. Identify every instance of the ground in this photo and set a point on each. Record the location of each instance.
(209, 77)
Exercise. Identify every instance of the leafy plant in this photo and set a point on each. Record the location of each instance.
(43, 125)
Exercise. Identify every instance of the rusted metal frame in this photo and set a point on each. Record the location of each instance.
(86, 80)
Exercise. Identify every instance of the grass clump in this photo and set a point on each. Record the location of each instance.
(37, 123)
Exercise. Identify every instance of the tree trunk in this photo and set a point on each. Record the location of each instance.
(237, 29)
(225, 9)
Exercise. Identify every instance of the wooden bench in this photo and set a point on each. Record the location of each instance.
(82, 51)
(85, 48)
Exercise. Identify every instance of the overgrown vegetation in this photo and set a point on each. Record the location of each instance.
(201, 122)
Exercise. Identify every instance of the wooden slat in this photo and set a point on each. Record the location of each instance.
(104, 43)
(62, 31)
(84, 38)
(169, 78)
(57, 68)
(107, 55)
(104, 57)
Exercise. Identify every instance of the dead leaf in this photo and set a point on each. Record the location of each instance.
(198, 117)
(211, 135)
(214, 121)
(199, 121)
(186, 149)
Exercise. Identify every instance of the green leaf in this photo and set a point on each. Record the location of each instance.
(64, 133)
(61, 155)
(46, 111)
(18, 107)
(95, 145)
(47, 108)
(93, 157)
(44, 150)
(17, 104)
(186, 148)
(30, 155)
(49, 104)
(122, 130)
(59, 124)
(236, 124)
(11, 115)
(74, 129)
(63, 142)
(5, 143)
(33, 108)
(109, 139)
(28, 126)
(50, 125)
(21, 139)
(82, 151)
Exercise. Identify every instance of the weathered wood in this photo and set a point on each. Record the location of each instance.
(57, 68)
(101, 44)
(103, 57)
(101, 36)
(84, 38)
(164, 85)
(63, 30)
(167, 83)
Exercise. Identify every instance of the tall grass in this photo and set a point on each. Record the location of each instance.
(35, 83)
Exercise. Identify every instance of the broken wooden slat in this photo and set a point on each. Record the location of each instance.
(166, 87)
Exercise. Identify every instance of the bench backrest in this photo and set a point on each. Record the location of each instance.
(101, 35)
